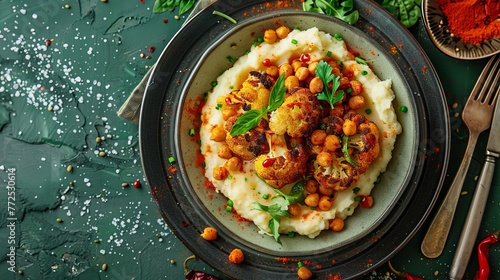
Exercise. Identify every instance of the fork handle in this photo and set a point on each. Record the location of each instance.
(435, 238)
(473, 221)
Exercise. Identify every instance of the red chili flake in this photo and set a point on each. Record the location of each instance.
(366, 201)
(268, 162)
(152, 49)
(266, 62)
(165, 20)
(48, 42)
(228, 101)
(184, 223)
(142, 1)
(137, 184)
(305, 57)
(148, 57)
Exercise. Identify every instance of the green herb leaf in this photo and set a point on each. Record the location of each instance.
(324, 72)
(342, 9)
(280, 207)
(360, 60)
(162, 6)
(277, 95)
(347, 156)
(406, 11)
(246, 122)
(251, 118)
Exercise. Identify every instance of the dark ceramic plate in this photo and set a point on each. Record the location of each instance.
(436, 25)
(197, 55)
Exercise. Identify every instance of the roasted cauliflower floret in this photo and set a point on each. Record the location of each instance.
(365, 145)
(282, 166)
(250, 144)
(339, 175)
(298, 115)
(254, 92)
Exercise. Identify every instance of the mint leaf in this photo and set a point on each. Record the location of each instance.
(277, 95)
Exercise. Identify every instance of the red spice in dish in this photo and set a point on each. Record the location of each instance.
(473, 21)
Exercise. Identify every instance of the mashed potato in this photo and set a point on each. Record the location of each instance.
(242, 185)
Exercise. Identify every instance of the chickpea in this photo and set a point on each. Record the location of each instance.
(286, 69)
(224, 152)
(218, 134)
(337, 224)
(344, 81)
(236, 256)
(311, 186)
(338, 110)
(291, 82)
(302, 73)
(304, 273)
(325, 190)
(282, 32)
(270, 36)
(227, 113)
(209, 233)
(318, 137)
(234, 164)
(294, 209)
(349, 127)
(357, 87)
(296, 64)
(356, 102)
(335, 67)
(324, 159)
(220, 173)
(312, 67)
(312, 200)
(272, 70)
(325, 203)
(332, 142)
(316, 85)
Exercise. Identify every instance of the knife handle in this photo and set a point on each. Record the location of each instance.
(473, 221)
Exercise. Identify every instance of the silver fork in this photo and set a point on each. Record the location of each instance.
(477, 116)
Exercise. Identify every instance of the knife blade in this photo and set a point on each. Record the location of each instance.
(198, 7)
(476, 208)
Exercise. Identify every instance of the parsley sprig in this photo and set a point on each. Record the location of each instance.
(324, 72)
(280, 207)
(342, 9)
(251, 118)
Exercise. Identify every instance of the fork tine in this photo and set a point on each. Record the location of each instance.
(481, 87)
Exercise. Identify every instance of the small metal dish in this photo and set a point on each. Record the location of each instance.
(436, 25)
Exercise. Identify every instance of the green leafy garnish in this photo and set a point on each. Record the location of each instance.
(406, 11)
(162, 6)
(342, 9)
(345, 147)
(280, 207)
(251, 118)
(324, 72)
(360, 60)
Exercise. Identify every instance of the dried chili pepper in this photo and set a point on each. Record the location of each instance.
(482, 255)
(195, 274)
(406, 275)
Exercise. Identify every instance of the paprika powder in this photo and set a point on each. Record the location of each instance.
(473, 21)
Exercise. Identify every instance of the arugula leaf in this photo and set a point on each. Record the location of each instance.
(324, 72)
(162, 6)
(280, 207)
(347, 156)
(342, 9)
(406, 11)
(251, 119)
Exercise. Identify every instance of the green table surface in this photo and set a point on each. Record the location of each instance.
(56, 98)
